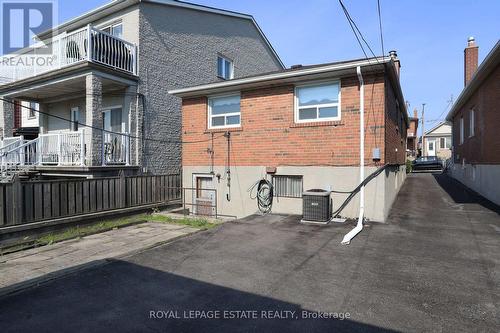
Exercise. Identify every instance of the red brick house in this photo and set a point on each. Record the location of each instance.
(300, 129)
(412, 137)
(475, 118)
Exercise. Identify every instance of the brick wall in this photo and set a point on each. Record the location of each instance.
(395, 128)
(484, 146)
(268, 135)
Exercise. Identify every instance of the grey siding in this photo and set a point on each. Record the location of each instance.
(178, 47)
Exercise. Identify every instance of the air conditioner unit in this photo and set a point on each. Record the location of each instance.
(316, 206)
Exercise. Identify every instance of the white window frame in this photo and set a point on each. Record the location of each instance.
(75, 120)
(440, 145)
(461, 130)
(209, 106)
(317, 106)
(111, 26)
(31, 111)
(231, 66)
(472, 122)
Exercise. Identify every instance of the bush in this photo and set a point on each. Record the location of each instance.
(408, 166)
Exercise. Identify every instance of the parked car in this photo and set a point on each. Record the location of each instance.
(427, 163)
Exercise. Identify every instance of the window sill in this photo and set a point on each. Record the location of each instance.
(318, 124)
(223, 130)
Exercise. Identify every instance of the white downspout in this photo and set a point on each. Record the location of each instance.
(359, 225)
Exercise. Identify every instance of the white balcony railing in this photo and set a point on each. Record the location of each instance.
(62, 149)
(87, 44)
(116, 149)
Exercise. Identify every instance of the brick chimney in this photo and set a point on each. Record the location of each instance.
(394, 56)
(415, 113)
(471, 55)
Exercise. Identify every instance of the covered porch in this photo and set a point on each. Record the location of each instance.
(87, 119)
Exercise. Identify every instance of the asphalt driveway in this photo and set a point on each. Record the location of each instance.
(433, 267)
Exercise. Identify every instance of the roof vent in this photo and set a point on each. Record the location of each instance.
(295, 66)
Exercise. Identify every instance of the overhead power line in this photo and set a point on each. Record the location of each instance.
(380, 26)
(108, 131)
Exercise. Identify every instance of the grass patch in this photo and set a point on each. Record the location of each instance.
(95, 228)
(80, 231)
(190, 222)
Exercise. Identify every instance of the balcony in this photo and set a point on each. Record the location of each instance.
(63, 149)
(84, 45)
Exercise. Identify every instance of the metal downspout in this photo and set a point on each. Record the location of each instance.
(359, 226)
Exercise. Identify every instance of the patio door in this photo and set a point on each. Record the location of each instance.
(113, 141)
(431, 147)
(204, 195)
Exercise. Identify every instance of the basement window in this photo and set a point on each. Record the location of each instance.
(288, 186)
(224, 111)
(317, 102)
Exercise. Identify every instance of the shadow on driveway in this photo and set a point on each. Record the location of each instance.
(462, 194)
(126, 297)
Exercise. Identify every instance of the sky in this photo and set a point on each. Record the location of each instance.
(428, 35)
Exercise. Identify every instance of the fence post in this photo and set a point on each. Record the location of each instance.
(17, 201)
(123, 190)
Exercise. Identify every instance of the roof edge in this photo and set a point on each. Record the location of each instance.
(489, 64)
(192, 91)
(108, 8)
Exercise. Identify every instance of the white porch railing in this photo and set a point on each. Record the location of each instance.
(116, 149)
(67, 49)
(62, 148)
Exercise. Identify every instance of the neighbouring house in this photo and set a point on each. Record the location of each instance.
(412, 137)
(437, 141)
(111, 69)
(300, 129)
(476, 119)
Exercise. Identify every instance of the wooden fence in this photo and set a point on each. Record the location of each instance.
(27, 202)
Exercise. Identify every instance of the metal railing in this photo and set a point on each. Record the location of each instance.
(67, 49)
(62, 148)
(9, 142)
(116, 149)
(201, 206)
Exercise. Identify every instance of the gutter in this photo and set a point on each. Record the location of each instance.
(359, 226)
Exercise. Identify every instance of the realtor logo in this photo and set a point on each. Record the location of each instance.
(21, 20)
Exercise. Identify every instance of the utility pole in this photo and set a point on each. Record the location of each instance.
(423, 130)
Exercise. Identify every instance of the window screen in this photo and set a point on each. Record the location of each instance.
(288, 186)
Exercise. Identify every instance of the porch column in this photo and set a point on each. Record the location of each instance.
(93, 117)
(6, 118)
(43, 119)
(136, 120)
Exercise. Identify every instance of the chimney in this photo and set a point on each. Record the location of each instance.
(415, 113)
(394, 56)
(471, 55)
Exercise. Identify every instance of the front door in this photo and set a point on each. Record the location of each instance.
(431, 147)
(204, 196)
